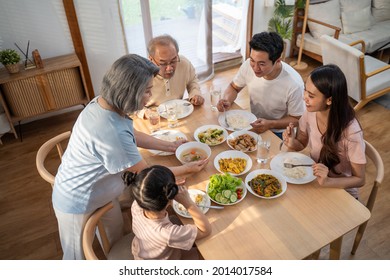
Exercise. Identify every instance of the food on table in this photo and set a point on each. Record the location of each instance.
(168, 137)
(233, 165)
(211, 136)
(265, 185)
(244, 143)
(297, 172)
(199, 199)
(237, 121)
(193, 154)
(225, 188)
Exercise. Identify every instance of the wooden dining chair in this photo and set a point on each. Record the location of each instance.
(121, 250)
(45, 150)
(376, 159)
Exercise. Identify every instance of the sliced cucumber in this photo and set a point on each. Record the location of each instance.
(224, 200)
(227, 193)
(233, 197)
(218, 197)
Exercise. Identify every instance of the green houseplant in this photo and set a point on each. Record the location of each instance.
(10, 59)
(281, 22)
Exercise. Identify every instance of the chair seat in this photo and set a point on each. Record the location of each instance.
(381, 81)
(122, 249)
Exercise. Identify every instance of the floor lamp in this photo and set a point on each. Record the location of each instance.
(298, 64)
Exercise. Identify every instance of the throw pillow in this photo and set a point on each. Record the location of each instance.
(356, 21)
(381, 10)
(328, 12)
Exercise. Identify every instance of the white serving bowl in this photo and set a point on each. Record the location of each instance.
(233, 154)
(236, 134)
(256, 172)
(193, 145)
(210, 126)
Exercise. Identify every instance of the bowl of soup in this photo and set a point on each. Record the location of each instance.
(192, 151)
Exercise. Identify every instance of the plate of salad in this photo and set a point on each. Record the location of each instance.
(225, 189)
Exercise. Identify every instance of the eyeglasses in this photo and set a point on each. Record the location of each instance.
(165, 65)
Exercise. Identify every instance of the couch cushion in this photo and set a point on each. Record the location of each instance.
(356, 15)
(356, 21)
(381, 10)
(328, 12)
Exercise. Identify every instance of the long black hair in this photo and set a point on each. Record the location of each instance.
(331, 82)
(153, 187)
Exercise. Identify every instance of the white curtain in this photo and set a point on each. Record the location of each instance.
(42, 22)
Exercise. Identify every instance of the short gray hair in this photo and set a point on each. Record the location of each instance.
(125, 83)
(163, 40)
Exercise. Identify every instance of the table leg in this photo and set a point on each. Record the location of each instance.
(335, 249)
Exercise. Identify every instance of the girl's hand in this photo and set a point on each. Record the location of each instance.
(321, 172)
(183, 197)
(289, 135)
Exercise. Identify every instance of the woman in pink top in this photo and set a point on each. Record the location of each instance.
(156, 237)
(331, 131)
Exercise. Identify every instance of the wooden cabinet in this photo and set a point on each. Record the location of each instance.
(59, 84)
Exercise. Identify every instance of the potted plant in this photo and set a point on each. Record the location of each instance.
(281, 23)
(10, 59)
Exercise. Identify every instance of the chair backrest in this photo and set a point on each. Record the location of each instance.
(43, 152)
(374, 155)
(120, 250)
(90, 230)
(348, 59)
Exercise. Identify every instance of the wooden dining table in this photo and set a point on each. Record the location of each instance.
(293, 226)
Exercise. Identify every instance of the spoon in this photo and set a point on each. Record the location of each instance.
(212, 207)
(187, 104)
(290, 165)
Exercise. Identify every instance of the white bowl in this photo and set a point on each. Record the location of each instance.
(210, 126)
(236, 134)
(233, 154)
(278, 176)
(243, 194)
(193, 145)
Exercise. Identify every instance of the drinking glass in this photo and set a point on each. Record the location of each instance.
(215, 95)
(263, 146)
(171, 108)
(154, 119)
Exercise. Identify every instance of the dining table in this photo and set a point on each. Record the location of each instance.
(294, 226)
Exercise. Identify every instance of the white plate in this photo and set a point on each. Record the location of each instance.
(242, 186)
(236, 134)
(233, 154)
(210, 126)
(243, 115)
(277, 162)
(183, 111)
(180, 210)
(256, 172)
(167, 135)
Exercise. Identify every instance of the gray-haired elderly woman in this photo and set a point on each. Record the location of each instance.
(103, 144)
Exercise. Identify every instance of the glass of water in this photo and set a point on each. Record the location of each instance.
(215, 95)
(263, 147)
(171, 108)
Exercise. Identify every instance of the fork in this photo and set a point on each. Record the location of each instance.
(290, 165)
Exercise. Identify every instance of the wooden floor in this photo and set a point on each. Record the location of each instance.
(28, 227)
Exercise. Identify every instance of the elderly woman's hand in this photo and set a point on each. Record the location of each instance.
(196, 166)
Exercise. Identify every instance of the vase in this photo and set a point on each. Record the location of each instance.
(13, 68)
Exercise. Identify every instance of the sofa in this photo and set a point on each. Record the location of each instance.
(345, 20)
